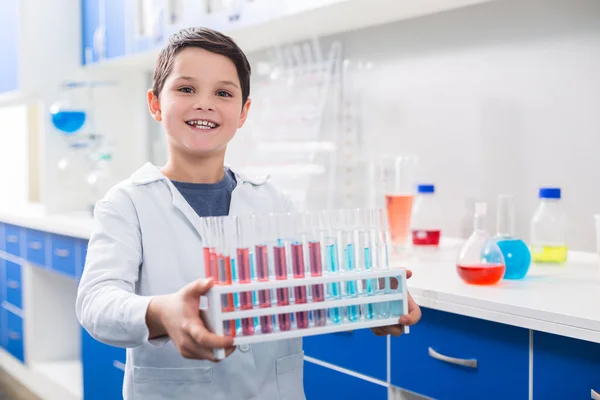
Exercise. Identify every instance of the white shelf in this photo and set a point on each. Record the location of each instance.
(333, 17)
(66, 374)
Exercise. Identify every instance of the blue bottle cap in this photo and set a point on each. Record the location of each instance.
(549, 193)
(426, 188)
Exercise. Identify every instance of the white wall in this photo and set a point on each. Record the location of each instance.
(14, 162)
(497, 98)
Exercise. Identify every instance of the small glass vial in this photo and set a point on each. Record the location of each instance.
(549, 228)
(426, 217)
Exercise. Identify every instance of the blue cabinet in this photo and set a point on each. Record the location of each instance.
(103, 30)
(12, 239)
(564, 368)
(321, 383)
(427, 361)
(36, 247)
(64, 256)
(82, 246)
(14, 335)
(103, 369)
(360, 351)
(13, 282)
(9, 45)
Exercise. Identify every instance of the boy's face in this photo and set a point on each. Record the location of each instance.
(200, 105)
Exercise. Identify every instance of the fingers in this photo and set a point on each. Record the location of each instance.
(414, 313)
(204, 338)
(408, 273)
(198, 288)
(394, 330)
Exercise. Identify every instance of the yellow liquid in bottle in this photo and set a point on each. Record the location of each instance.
(549, 254)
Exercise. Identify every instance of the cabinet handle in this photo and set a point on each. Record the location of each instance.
(13, 335)
(12, 284)
(35, 245)
(472, 363)
(595, 395)
(12, 239)
(63, 253)
(119, 365)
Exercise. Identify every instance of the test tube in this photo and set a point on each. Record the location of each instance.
(346, 239)
(364, 239)
(244, 236)
(315, 257)
(261, 256)
(225, 230)
(332, 262)
(381, 241)
(298, 267)
(281, 224)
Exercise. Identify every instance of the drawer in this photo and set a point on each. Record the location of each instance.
(2, 236)
(64, 257)
(322, 383)
(36, 247)
(14, 335)
(564, 368)
(428, 360)
(12, 239)
(13, 283)
(103, 369)
(360, 351)
(82, 245)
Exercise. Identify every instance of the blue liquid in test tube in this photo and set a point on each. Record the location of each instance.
(369, 284)
(351, 289)
(334, 287)
(236, 298)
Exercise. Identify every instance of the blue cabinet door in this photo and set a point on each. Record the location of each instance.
(13, 284)
(564, 368)
(360, 351)
(64, 255)
(90, 14)
(419, 360)
(2, 299)
(13, 240)
(9, 45)
(103, 369)
(115, 28)
(36, 246)
(14, 335)
(321, 383)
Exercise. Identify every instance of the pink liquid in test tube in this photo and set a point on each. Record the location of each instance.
(283, 297)
(243, 259)
(214, 265)
(299, 291)
(316, 269)
(224, 264)
(207, 268)
(264, 296)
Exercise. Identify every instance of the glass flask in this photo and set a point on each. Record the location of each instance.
(480, 261)
(515, 252)
(65, 115)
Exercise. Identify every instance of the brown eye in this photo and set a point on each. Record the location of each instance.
(186, 90)
(222, 93)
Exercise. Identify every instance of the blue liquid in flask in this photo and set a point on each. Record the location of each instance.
(68, 121)
(517, 257)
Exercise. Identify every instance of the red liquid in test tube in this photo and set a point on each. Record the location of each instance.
(316, 269)
(243, 259)
(299, 291)
(224, 264)
(283, 297)
(207, 269)
(264, 296)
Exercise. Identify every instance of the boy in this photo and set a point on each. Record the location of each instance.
(141, 285)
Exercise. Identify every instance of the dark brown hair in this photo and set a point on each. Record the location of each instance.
(206, 39)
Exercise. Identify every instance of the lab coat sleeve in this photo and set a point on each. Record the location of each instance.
(107, 305)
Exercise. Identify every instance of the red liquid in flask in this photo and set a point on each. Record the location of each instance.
(243, 257)
(426, 238)
(299, 291)
(316, 269)
(481, 274)
(264, 296)
(283, 296)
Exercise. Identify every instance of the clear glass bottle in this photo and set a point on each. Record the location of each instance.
(549, 228)
(480, 261)
(426, 217)
(515, 252)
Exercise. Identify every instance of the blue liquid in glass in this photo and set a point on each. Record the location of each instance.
(334, 288)
(253, 277)
(370, 284)
(517, 257)
(68, 121)
(236, 299)
(351, 290)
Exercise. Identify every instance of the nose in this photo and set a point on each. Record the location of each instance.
(204, 102)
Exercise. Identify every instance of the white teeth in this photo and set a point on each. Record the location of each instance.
(203, 124)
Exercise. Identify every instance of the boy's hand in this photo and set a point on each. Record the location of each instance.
(413, 316)
(178, 316)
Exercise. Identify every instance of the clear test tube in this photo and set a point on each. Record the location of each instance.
(263, 267)
(299, 266)
(315, 260)
(380, 245)
(281, 227)
(226, 228)
(329, 241)
(364, 244)
(244, 238)
(345, 231)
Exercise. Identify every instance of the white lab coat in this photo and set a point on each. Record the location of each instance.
(146, 242)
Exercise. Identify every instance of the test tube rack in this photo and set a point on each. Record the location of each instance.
(215, 316)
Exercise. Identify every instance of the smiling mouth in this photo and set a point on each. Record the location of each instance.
(202, 124)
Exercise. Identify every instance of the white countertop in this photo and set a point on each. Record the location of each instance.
(557, 299)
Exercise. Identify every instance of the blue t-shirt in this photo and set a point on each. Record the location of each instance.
(209, 199)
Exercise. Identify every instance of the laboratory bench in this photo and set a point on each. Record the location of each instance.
(538, 338)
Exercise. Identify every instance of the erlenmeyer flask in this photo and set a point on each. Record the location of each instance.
(480, 261)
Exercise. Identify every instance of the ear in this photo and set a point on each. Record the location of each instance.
(154, 106)
(244, 114)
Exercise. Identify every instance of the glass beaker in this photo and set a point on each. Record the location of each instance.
(398, 174)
